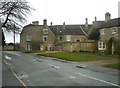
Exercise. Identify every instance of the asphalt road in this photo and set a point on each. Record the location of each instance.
(8, 78)
(35, 70)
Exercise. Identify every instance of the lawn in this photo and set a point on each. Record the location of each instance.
(115, 65)
(73, 57)
(33, 51)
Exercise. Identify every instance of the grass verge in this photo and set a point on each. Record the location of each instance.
(33, 51)
(73, 57)
(115, 65)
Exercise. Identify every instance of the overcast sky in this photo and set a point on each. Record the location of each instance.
(69, 11)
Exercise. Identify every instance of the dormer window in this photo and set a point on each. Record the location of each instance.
(28, 37)
(103, 31)
(45, 31)
(114, 30)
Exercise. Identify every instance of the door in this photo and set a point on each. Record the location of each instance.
(41, 47)
(49, 47)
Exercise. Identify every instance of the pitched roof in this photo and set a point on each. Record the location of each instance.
(111, 23)
(69, 29)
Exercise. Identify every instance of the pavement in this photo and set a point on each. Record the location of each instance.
(36, 70)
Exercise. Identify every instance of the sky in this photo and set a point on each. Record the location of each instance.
(68, 11)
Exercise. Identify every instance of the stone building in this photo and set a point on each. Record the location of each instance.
(37, 37)
(109, 32)
(55, 37)
(69, 37)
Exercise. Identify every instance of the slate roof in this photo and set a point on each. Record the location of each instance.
(69, 29)
(111, 23)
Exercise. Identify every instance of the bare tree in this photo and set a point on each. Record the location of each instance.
(13, 15)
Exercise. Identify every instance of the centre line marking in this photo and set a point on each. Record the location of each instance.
(98, 79)
(53, 65)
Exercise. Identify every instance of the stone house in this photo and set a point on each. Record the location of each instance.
(37, 37)
(69, 37)
(109, 30)
(55, 37)
(109, 33)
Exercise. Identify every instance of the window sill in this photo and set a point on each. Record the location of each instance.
(114, 33)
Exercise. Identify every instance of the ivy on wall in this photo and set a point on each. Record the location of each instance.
(108, 47)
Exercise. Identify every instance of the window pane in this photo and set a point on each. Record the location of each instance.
(28, 37)
(44, 38)
(103, 44)
(100, 45)
(68, 37)
(77, 40)
(60, 38)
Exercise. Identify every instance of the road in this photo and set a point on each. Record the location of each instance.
(36, 70)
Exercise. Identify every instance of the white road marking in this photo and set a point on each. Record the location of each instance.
(72, 77)
(8, 58)
(53, 66)
(98, 79)
(14, 53)
(29, 82)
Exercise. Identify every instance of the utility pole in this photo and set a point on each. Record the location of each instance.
(14, 37)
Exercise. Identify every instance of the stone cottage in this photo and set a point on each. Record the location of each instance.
(109, 30)
(109, 34)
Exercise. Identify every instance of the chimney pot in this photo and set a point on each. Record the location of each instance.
(63, 25)
(44, 22)
(107, 16)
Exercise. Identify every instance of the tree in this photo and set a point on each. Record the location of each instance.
(95, 35)
(13, 15)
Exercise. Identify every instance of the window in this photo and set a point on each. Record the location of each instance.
(77, 40)
(60, 39)
(45, 31)
(101, 45)
(114, 30)
(45, 38)
(103, 31)
(28, 46)
(68, 37)
(28, 37)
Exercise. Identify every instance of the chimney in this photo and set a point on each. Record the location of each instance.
(63, 25)
(95, 18)
(86, 24)
(44, 22)
(35, 22)
(107, 16)
(86, 21)
(51, 24)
